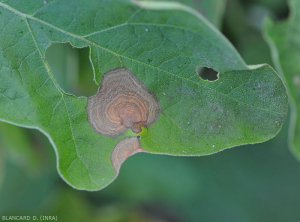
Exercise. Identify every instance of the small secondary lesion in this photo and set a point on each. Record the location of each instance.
(124, 149)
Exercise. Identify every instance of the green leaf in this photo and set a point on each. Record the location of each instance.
(162, 44)
(213, 10)
(284, 41)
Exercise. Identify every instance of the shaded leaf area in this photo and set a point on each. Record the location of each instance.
(162, 48)
(226, 120)
(284, 41)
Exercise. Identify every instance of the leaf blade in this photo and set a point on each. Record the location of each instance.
(180, 42)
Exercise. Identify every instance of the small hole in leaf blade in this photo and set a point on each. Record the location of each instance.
(207, 73)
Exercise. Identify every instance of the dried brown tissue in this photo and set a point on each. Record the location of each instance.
(122, 102)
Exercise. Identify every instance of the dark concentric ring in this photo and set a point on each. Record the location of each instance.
(122, 102)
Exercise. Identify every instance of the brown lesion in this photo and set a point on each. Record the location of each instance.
(122, 102)
(124, 149)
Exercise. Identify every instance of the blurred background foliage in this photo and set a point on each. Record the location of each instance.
(250, 183)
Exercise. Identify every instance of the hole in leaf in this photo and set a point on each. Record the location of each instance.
(207, 73)
(72, 69)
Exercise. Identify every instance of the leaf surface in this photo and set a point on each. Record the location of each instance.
(284, 41)
(162, 44)
(213, 10)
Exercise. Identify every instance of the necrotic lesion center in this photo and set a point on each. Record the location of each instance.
(122, 102)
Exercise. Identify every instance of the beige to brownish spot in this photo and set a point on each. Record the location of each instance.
(122, 102)
(124, 149)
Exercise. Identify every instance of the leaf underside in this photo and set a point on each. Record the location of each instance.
(163, 48)
(284, 41)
